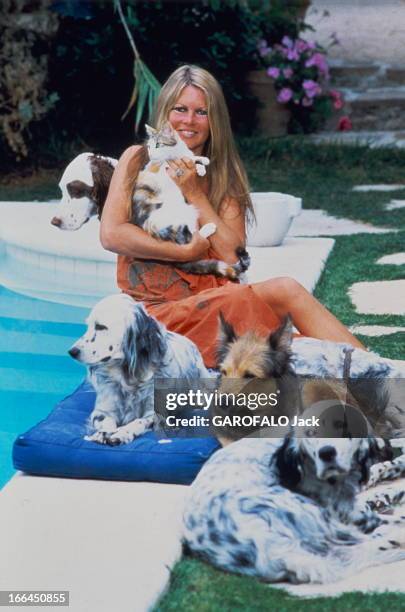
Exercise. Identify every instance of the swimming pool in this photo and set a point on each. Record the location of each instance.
(35, 369)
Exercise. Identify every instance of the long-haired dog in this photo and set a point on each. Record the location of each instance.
(284, 510)
(124, 349)
(158, 205)
(365, 379)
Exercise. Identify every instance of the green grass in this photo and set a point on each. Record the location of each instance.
(323, 176)
(197, 587)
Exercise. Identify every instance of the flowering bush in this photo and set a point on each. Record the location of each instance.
(300, 73)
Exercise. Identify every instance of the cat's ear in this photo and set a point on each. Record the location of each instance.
(150, 130)
(167, 129)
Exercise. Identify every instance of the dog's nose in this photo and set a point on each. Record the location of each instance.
(74, 352)
(56, 221)
(327, 453)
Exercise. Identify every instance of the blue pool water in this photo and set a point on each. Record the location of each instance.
(35, 369)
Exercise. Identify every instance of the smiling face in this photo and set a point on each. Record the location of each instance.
(189, 117)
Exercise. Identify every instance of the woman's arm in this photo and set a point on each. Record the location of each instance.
(120, 236)
(230, 221)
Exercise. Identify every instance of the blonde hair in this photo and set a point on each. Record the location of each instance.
(226, 176)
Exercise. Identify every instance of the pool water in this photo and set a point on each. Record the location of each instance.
(35, 370)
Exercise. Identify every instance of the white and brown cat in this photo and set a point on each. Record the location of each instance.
(158, 205)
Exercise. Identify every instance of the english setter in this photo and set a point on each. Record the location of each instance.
(284, 510)
(124, 349)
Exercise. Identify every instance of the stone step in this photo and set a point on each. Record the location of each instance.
(376, 109)
(370, 138)
(362, 76)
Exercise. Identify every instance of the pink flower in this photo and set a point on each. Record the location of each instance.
(273, 72)
(318, 60)
(288, 72)
(345, 124)
(311, 88)
(287, 42)
(284, 95)
(336, 96)
(292, 55)
(301, 45)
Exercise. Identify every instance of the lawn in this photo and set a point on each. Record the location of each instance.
(323, 176)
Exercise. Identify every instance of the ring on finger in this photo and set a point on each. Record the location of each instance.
(179, 172)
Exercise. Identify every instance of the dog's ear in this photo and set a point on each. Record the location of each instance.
(286, 460)
(102, 171)
(129, 349)
(281, 338)
(280, 348)
(144, 344)
(226, 335)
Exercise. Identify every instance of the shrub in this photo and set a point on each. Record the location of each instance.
(25, 30)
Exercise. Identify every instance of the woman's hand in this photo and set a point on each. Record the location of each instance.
(183, 172)
(196, 249)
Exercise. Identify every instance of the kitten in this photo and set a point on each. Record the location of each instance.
(159, 207)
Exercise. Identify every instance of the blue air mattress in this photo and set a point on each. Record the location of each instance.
(56, 447)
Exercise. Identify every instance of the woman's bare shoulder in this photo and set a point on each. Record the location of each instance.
(132, 151)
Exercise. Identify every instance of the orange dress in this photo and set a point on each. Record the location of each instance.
(189, 304)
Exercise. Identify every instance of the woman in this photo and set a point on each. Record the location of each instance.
(193, 102)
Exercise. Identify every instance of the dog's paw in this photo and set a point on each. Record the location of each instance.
(127, 433)
(101, 437)
(207, 230)
(387, 470)
(384, 501)
(201, 171)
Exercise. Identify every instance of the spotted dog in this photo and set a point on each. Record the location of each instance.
(284, 510)
(124, 349)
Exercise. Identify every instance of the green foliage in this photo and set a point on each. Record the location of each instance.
(278, 18)
(90, 64)
(219, 37)
(146, 87)
(25, 30)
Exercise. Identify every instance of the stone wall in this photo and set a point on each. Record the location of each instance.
(368, 30)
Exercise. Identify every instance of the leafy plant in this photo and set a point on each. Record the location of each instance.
(25, 27)
(147, 87)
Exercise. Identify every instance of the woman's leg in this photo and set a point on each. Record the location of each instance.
(285, 295)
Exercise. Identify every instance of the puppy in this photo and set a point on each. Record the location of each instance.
(124, 349)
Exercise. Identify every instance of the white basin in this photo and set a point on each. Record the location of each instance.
(274, 214)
